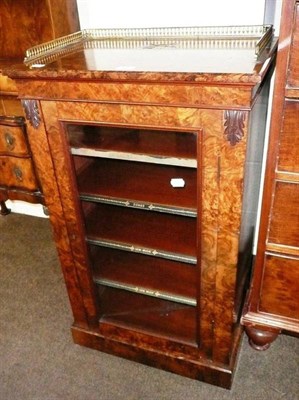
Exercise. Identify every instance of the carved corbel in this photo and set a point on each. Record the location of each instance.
(234, 123)
(32, 112)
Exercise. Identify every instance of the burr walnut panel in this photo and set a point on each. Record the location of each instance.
(17, 173)
(12, 141)
(168, 94)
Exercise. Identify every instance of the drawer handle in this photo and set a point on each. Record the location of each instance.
(18, 173)
(10, 140)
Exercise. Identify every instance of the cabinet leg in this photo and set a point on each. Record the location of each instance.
(4, 209)
(260, 339)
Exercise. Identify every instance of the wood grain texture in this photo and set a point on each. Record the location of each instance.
(7, 85)
(193, 95)
(32, 22)
(18, 173)
(64, 17)
(22, 28)
(62, 163)
(75, 68)
(39, 144)
(293, 75)
(24, 24)
(11, 107)
(273, 297)
(289, 139)
(280, 287)
(284, 225)
(13, 140)
(231, 177)
(200, 339)
(199, 368)
(218, 272)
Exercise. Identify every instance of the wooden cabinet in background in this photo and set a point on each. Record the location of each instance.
(273, 302)
(24, 23)
(18, 178)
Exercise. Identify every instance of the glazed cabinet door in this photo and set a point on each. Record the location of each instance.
(137, 193)
(130, 199)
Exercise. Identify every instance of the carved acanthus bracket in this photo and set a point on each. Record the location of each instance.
(234, 123)
(32, 113)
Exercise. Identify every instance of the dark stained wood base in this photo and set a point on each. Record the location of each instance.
(4, 210)
(198, 368)
(260, 339)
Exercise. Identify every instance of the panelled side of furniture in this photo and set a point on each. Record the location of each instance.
(273, 304)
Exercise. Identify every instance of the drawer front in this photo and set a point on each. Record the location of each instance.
(12, 106)
(18, 173)
(293, 77)
(280, 287)
(12, 140)
(284, 226)
(289, 139)
(7, 85)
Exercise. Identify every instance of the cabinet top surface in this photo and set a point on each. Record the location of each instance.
(229, 54)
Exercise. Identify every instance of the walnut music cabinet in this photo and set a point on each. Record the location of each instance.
(24, 23)
(273, 302)
(148, 144)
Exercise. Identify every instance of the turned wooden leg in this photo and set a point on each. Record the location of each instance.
(260, 339)
(4, 209)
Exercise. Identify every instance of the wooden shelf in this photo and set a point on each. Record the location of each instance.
(147, 314)
(139, 270)
(137, 185)
(171, 234)
(175, 148)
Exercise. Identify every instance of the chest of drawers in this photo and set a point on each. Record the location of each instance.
(18, 177)
(273, 303)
